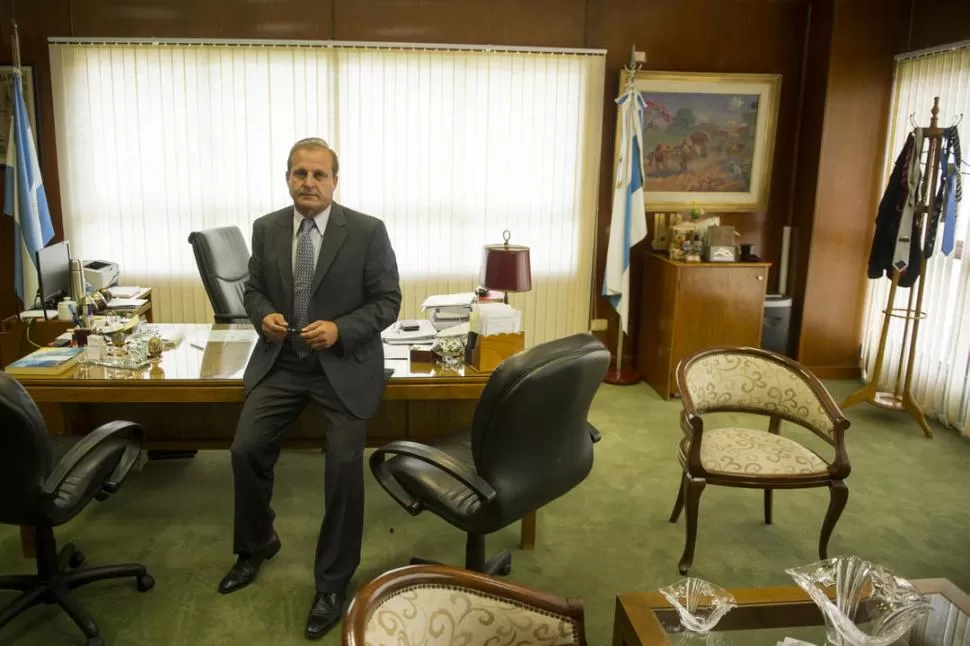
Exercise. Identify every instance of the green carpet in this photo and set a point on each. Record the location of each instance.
(907, 509)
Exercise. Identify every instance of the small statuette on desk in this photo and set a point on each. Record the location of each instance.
(155, 347)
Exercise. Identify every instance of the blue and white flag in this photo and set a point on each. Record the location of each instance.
(25, 199)
(628, 224)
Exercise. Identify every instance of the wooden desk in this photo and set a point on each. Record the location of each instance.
(17, 337)
(192, 397)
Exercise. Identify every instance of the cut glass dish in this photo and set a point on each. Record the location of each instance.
(699, 603)
(869, 605)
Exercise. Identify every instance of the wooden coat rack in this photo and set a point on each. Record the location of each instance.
(901, 397)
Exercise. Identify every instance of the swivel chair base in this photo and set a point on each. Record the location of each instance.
(498, 565)
(57, 574)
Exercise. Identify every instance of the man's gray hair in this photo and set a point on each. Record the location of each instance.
(312, 142)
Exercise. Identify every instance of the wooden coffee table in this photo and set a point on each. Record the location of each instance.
(765, 616)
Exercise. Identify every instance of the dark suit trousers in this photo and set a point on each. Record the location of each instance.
(272, 406)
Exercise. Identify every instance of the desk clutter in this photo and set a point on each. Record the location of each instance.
(698, 239)
(109, 341)
(467, 327)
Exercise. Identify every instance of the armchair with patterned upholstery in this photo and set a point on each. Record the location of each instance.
(750, 380)
(436, 605)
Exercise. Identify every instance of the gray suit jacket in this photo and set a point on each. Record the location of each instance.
(356, 285)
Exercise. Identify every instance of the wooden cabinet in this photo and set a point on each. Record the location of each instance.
(689, 306)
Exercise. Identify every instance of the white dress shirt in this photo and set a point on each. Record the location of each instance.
(316, 235)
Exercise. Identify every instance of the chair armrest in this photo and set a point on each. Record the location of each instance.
(231, 318)
(434, 457)
(90, 442)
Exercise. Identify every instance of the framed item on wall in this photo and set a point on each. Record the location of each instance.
(708, 139)
(6, 104)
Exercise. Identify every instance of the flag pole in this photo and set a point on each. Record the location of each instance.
(16, 44)
(620, 376)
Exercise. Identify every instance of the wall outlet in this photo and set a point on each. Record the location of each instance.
(598, 325)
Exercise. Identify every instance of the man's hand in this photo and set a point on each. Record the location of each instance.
(274, 327)
(320, 334)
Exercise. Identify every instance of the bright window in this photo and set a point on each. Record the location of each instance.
(448, 147)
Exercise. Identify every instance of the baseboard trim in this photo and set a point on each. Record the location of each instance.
(836, 372)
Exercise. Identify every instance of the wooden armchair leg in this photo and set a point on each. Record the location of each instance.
(768, 496)
(839, 495)
(694, 487)
(679, 503)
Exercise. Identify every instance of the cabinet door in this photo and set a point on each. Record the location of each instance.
(656, 321)
(719, 305)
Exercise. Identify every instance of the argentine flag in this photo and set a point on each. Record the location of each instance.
(628, 224)
(25, 199)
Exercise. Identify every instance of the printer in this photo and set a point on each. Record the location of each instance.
(100, 273)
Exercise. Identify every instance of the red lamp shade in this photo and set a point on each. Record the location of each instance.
(506, 267)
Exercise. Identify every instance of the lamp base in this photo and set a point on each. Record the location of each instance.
(624, 377)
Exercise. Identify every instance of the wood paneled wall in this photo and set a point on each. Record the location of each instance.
(842, 196)
(936, 23)
(809, 42)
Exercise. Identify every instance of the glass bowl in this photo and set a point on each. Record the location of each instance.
(450, 349)
(699, 603)
(871, 606)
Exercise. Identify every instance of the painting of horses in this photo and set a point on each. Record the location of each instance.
(707, 139)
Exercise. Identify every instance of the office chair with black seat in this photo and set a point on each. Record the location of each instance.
(529, 443)
(44, 482)
(223, 259)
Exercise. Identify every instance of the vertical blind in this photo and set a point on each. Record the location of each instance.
(941, 371)
(449, 147)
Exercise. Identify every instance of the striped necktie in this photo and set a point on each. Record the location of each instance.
(302, 280)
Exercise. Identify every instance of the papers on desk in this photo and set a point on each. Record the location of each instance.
(126, 303)
(125, 292)
(495, 318)
(38, 314)
(401, 352)
(394, 335)
(397, 352)
(459, 329)
(247, 335)
(464, 299)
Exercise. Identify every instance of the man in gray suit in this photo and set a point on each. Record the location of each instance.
(323, 283)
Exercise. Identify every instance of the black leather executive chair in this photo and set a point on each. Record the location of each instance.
(223, 259)
(44, 482)
(529, 443)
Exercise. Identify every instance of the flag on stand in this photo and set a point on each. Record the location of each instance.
(24, 197)
(628, 224)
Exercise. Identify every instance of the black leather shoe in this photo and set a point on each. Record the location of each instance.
(244, 571)
(325, 614)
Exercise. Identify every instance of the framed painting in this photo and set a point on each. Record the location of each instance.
(6, 104)
(708, 139)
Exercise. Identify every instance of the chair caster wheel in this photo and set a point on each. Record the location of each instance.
(145, 583)
(76, 560)
(95, 641)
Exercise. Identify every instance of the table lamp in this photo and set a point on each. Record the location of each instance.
(506, 267)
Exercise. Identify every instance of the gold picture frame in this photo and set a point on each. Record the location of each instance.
(709, 139)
